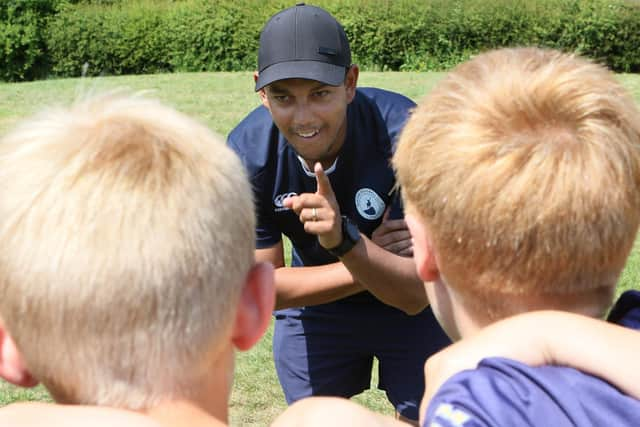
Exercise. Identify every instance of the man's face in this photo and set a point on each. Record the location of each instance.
(311, 115)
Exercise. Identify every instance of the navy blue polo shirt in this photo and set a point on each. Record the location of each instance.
(361, 177)
(503, 392)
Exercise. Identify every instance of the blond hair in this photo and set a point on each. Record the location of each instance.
(127, 231)
(524, 165)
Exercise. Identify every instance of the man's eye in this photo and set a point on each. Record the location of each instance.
(322, 93)
(281, 98)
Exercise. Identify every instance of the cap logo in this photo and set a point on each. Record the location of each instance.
(327, 51)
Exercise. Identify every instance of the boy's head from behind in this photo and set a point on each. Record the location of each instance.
(521, 172)
(127, 259)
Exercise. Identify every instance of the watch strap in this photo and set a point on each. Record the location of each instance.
(350, 236)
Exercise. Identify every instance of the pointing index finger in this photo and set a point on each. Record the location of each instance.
(324, 186)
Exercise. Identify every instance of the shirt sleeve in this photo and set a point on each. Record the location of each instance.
(267, 232)
(394, 109)
(500, 392)
(395, 117)
(453, 406)
(449, 415)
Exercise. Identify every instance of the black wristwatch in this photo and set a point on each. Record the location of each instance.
(350, 236)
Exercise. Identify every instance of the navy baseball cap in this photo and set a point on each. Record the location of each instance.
(303, 42)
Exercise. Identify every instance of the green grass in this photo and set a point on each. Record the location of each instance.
(220, 100)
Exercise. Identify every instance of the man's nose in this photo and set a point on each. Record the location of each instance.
(303, 114)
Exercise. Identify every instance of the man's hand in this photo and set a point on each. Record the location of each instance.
(393, 235)
(319, 212)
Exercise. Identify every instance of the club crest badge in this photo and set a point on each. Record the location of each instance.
(369, 205)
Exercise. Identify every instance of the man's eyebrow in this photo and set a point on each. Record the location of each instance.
(273, 87)
(320, 85)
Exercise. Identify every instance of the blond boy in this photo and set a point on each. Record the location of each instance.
(521, 173)
(127, 272)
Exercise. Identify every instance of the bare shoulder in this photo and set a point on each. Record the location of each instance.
(48, 414)
(332, 411)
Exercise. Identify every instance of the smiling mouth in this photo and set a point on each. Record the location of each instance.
(308, 134)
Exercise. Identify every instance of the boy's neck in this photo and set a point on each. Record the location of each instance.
(184, 413)
(470, 323)
(210, 408)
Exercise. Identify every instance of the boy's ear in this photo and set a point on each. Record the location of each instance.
(257, 301)
(423, 251)
(12, 366)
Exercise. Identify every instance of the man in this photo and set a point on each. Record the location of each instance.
(318, 153)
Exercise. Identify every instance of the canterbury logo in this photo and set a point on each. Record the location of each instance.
(280, 198)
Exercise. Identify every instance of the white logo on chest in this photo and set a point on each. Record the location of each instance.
(278, 201)
(369, 204)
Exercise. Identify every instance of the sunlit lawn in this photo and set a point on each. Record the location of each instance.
(221, 100)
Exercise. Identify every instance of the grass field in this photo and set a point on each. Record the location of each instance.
(221, 100)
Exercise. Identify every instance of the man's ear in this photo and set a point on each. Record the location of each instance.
(257, 301)
(261, 92)
(351, 82)
(423, 251)
(12, 366)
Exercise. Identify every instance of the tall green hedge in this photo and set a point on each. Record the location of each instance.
(23, 54)
(437, 34)
(71, 37)
(123, 38)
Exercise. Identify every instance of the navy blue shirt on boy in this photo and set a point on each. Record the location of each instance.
(503, 392)
(328, 349)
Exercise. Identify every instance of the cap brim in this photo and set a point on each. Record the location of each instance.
(311, 70)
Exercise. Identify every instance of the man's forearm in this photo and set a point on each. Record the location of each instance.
(302, 286)
(391, 278)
